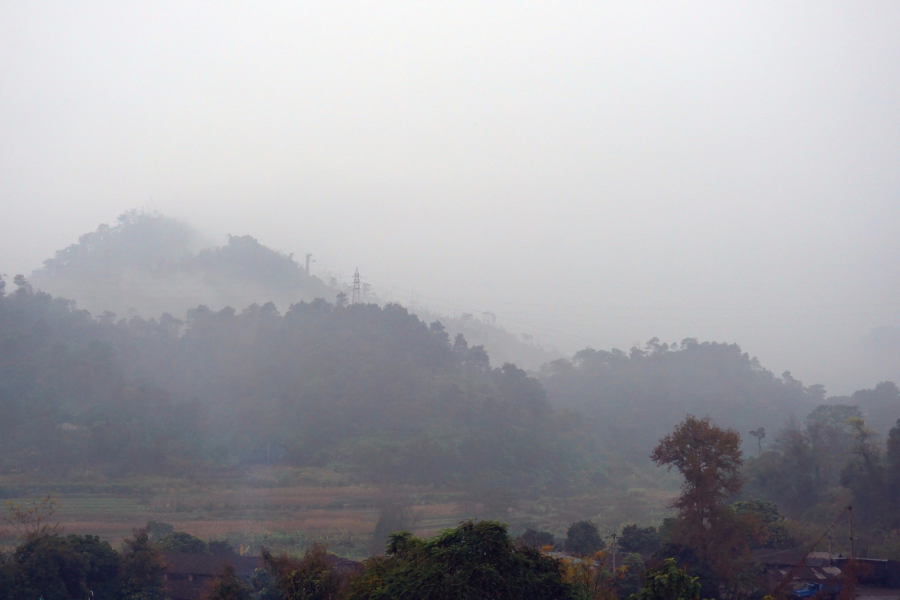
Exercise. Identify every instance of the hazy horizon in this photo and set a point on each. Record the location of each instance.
(593, 175)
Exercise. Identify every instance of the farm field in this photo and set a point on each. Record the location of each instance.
(286, 509)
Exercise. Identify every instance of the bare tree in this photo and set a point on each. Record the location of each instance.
(32, 519)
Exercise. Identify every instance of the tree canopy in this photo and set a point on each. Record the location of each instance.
(636, 397)
(369, 390)
(474, 560)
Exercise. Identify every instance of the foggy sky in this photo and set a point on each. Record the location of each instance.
(595, 174)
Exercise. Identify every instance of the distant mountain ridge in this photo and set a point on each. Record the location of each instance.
(148, 264)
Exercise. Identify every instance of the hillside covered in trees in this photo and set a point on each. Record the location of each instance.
(264, 370)
(147, 264)
(365, 389)
(380, 396)
(635, 397)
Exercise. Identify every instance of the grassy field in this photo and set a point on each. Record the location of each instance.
(288, 509)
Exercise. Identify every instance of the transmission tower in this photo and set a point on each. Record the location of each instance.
(357, 292)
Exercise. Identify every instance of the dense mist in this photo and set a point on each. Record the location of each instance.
(269, 360)
(529, 299)
(591, 174)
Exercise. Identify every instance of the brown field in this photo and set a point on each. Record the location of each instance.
(289, 509)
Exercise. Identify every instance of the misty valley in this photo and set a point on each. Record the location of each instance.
(227, 402)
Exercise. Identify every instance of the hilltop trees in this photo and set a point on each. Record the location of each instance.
(880, 406)
(152, 263)
(634, 397)
(370, 388)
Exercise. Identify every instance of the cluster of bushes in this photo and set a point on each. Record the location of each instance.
(642, 549)
(473, 560)
(582, 539)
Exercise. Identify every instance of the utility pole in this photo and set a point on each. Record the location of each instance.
(850, 519)
(357, 291)
(308, 256)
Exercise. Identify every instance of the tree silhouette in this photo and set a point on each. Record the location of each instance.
(759, 434)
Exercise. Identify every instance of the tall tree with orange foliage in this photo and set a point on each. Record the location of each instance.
(709, 457)
(710, 460)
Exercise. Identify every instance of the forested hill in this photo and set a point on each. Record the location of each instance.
(370, 391)
(635, 398)
(148, 264)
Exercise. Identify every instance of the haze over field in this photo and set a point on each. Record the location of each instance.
(593, 175)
